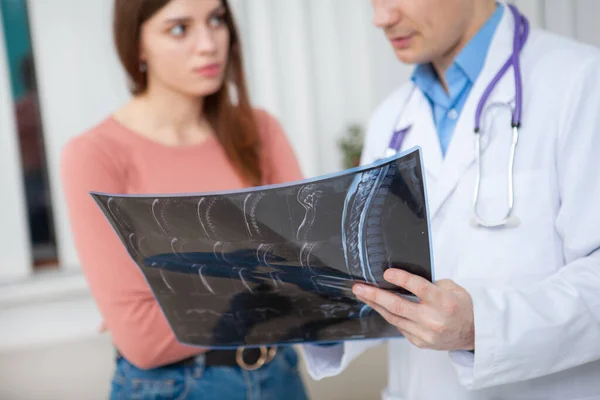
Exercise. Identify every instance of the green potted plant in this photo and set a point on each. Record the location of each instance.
(351, 146)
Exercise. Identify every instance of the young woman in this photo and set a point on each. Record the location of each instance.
(188, 128)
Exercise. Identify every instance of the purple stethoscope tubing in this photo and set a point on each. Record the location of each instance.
(520, 37)
(521, 34)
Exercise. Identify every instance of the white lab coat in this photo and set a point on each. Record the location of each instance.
(535, 287)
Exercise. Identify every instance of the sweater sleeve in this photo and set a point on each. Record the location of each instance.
(129, 310)
(280, 164)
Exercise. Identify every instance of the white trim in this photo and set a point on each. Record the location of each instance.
(47, 309)
(48, 322)
(42, 287)
(16, 259)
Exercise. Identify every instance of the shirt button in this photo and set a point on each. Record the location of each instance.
(452, 114)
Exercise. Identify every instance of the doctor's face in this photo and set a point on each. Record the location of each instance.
(424, 31)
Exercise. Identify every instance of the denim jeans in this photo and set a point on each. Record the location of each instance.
(277, 380)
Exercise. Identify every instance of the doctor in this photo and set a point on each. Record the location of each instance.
(514, 112)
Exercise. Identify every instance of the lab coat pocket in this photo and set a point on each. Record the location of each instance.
(522, 251)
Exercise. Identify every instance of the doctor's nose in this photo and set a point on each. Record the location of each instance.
(386, 13)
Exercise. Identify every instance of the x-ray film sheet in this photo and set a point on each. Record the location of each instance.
(276, 264)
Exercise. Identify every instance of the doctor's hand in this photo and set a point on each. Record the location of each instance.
(442, 320)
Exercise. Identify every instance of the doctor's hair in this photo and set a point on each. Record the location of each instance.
(230, 114)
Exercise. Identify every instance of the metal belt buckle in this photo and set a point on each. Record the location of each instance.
(266, 355)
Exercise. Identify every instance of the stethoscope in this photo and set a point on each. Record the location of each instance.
(399, 134)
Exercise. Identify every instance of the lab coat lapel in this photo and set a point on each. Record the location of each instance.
(461, 151)
(423, 134)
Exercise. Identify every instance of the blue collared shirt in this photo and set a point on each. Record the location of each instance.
(460, 77)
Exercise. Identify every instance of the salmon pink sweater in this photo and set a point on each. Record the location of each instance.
(114, 159)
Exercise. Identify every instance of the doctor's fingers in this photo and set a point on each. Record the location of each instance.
(404, 325)
(420, 287)
(388, 300)
(429, 335)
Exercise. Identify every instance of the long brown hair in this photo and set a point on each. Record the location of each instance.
(234, 123)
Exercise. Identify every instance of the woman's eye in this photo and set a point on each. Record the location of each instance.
(216, 21)
(178, 30)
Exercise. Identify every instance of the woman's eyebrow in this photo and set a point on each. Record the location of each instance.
(178, 20)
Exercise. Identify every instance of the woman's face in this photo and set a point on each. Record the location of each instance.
(185, 47)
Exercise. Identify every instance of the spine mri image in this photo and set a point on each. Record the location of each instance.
(276, 264)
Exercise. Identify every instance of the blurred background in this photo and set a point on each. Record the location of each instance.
(319, 66)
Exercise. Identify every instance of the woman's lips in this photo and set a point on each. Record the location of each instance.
(209, 70)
